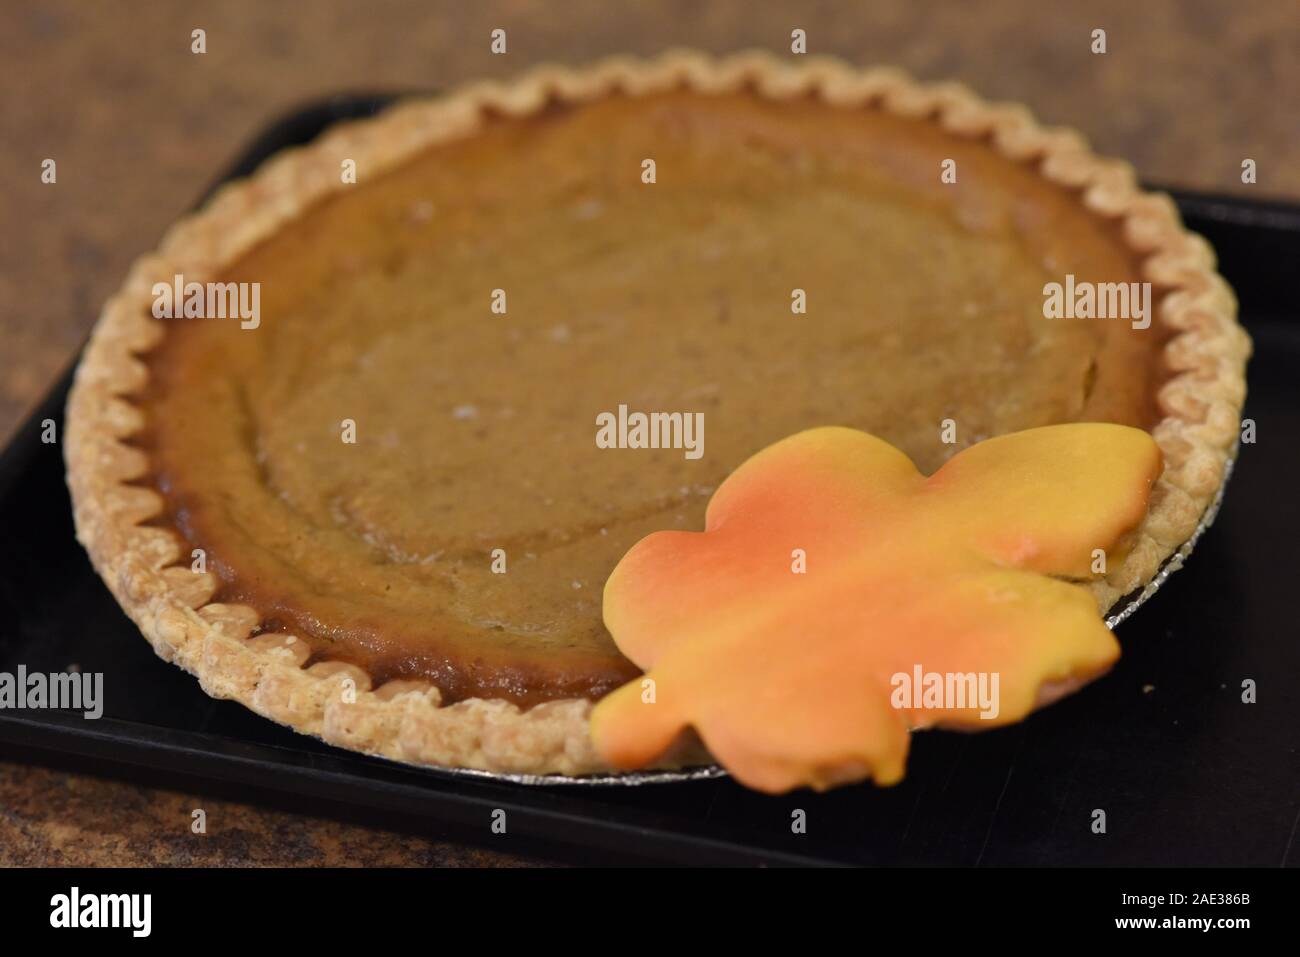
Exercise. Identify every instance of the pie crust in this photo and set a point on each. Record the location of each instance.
(142, 562)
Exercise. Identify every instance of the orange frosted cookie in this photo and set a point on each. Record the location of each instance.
(831, 573)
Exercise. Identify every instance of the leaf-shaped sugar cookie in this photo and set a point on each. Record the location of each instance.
(829, 567)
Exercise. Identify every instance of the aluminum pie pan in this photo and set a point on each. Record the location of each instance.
(613, 779)
(1132, 601)
(1120, 611)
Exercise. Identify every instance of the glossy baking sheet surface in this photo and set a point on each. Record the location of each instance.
(1185, 771)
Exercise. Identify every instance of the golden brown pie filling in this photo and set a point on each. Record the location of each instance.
(476, 431)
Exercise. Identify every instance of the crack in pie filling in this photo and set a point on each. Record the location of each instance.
(474, 431)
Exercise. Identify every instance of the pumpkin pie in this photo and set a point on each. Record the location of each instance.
(356, 486)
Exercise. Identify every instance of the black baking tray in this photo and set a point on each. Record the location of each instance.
(1185, 771)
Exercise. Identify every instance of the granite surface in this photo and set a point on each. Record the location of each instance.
(139, 125)
(54, 818)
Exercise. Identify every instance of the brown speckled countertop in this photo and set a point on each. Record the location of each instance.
(139, 126)
(50, 817)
